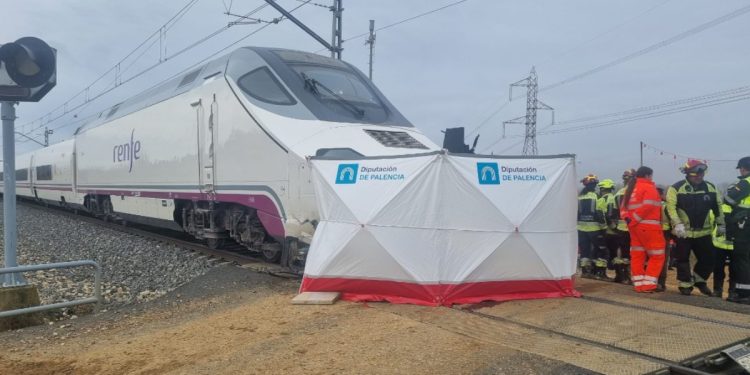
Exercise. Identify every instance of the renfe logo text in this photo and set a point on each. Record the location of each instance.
(127, 152)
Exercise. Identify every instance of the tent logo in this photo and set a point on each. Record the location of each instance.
(488, 174)
(347, 174)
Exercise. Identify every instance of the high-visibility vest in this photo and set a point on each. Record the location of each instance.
(589, 217)
(745, 202)
(613, 210)
(665, 225)
(601, 206)
(721, 242)
(690, 206)
(644, 205)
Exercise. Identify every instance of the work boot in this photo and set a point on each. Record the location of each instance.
(704, 289)
(672, 263)
(626, 275)
(718, 292)
(586, 272)
(660, 288)
(686, 291)
(601, 274)
(619, 274)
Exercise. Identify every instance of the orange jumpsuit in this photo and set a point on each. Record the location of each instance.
(643, 214)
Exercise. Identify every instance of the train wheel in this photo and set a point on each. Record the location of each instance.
(215, 243)
(271, 254)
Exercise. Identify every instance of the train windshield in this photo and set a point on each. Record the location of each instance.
(305, 85)
(341, 91)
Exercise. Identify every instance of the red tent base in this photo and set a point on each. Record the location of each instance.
(361, 290)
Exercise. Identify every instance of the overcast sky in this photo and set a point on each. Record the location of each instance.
(449, 68)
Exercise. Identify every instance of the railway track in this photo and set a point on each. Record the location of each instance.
(610, 330)
(582, 332)
(231, 253)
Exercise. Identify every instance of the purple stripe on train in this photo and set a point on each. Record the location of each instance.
(267, 211)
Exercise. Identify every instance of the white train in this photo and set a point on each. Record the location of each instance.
(221, 152)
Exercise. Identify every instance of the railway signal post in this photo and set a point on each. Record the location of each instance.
(27, 74)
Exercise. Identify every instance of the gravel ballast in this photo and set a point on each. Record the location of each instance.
(134, 269)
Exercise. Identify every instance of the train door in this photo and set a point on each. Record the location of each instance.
(207, 126)
(74, 169)
(32, 177)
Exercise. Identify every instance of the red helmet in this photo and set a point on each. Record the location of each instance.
(693, 167)
(590, 179)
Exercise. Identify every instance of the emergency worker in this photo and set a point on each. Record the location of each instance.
(688, 204)
(621, 261)
(590, 221)
(739, 197)
(723, 251)
(641, 210)
(611, 239)
(666, 228)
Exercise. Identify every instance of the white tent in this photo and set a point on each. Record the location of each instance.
(442, 229)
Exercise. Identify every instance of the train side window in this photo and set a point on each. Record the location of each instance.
(44, 172)
(261, 84)
(22, 174)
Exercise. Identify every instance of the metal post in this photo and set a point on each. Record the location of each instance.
(47, 132)
(371, 42)
(641, 153)
(336, 9)
(339, 48)
(8, 114)
(302, 26)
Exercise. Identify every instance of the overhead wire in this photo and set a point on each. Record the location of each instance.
(140, 73)
(643, 113)
(170, 23)
(604, 33)
(712, 103)
(401, 21)
(199, 62)
(316, 4)
(568, 51)
(685, 34)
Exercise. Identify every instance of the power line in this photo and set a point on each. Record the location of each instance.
(736, 90)
(121, 82)
(401, 21)
(167, 25)
(606, 32)
(685, 34)
(190, 67)
(409, 19)
(315, 4)
(705, 26)
(712, 103)
(488, 118)
(635, 114)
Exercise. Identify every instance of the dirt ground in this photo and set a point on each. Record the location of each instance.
(233, 321)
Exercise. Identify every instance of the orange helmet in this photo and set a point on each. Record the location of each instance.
(693, 167)
(590, 179)
(628, 174)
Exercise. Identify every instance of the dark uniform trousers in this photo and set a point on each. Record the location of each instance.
(740, 267)
(703, 247)
(720, 265)
(590, 244)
